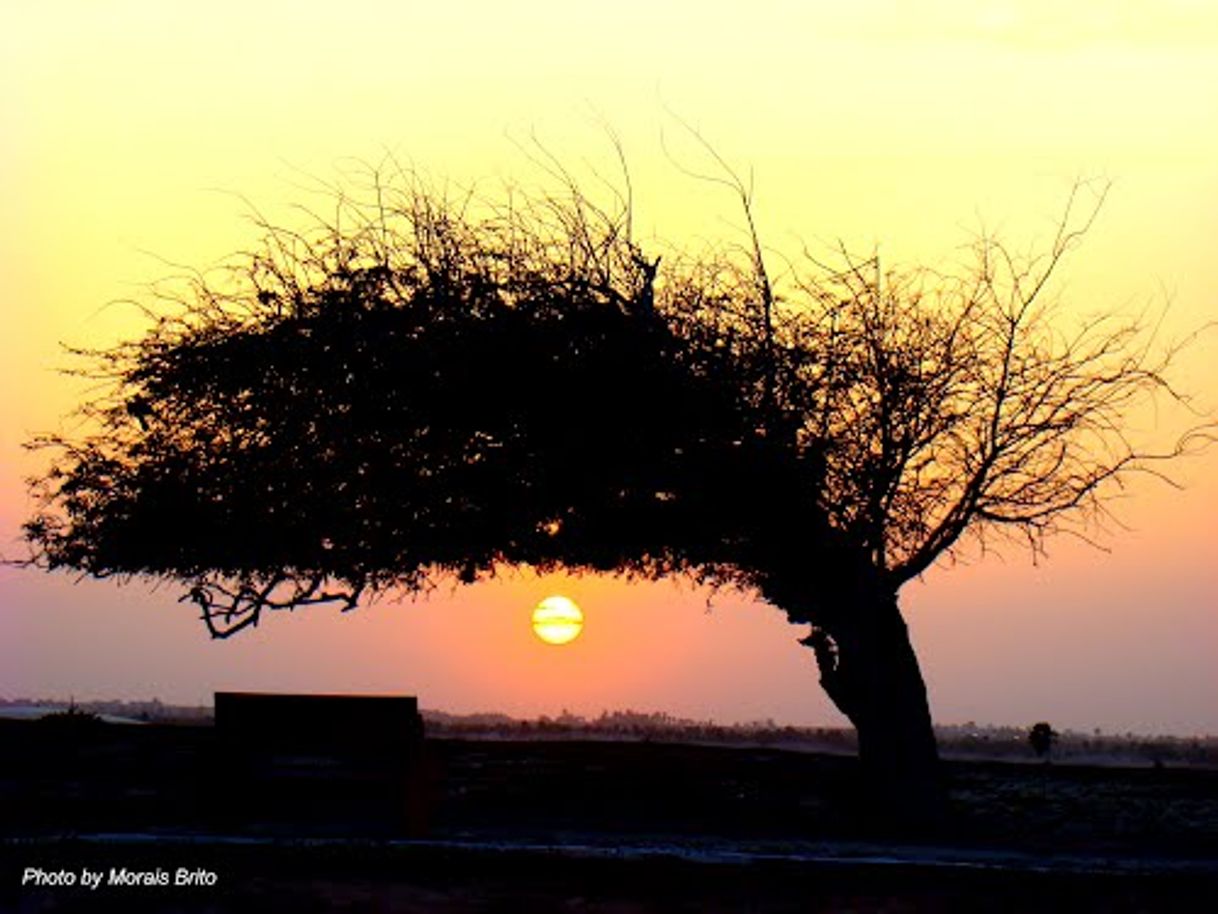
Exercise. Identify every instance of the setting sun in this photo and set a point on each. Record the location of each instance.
(557, 620)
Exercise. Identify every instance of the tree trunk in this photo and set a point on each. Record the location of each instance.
(869, 669)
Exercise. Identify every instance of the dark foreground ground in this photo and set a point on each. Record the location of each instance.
(597, 826)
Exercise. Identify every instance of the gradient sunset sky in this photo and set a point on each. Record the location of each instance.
(133, 132)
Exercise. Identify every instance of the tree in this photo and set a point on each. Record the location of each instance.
(421, 389)
(1041, 738)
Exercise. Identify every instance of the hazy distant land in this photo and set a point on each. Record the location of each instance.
(961, 741)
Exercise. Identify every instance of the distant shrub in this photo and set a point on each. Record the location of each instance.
(1041, 738)
(71, 720)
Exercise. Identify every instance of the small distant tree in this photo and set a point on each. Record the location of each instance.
(1041, 738)
(418, 390)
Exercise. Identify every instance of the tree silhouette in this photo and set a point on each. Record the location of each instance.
(420, 388)
(1041, 738)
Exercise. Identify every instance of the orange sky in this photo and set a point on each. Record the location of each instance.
(132, 127)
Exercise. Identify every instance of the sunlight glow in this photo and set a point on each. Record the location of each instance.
(557, 620)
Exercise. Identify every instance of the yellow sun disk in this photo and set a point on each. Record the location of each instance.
(557, 620)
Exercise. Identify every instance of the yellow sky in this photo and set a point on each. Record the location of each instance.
(130, 129)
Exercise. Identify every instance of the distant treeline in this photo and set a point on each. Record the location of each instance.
(152, 711)
(979, 741)
(969, 740)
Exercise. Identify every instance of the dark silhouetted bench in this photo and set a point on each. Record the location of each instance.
(339, 761)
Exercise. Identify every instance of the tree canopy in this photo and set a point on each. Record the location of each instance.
(411, 390)
(418, 397)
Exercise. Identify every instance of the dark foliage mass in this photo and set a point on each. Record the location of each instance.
(421, 397)
(376, 439)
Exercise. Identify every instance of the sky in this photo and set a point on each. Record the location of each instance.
(136, 135)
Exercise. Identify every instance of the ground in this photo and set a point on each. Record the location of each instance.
(538, 826)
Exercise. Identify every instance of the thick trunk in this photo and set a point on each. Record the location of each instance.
(869, 669)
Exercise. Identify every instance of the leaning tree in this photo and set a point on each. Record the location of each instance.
(420, 389)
